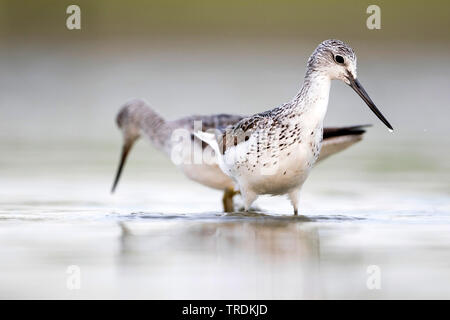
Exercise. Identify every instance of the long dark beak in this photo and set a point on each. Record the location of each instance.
(125, 150)
(356, 85)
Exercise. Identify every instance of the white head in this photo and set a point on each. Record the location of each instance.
(337, 61)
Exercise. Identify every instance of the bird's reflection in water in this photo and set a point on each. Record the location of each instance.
(232, 256)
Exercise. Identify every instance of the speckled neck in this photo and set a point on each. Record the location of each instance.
(316, 87)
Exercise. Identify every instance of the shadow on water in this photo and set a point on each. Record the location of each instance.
(255, 216)
(244, 254)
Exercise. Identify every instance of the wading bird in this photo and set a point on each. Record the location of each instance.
(136, 119)
(273, 152)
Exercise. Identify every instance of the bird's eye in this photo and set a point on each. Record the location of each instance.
(339, 59)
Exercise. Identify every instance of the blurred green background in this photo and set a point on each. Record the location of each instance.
(415, 21)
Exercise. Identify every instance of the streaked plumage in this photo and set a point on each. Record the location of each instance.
(273, 152)
(136, 118)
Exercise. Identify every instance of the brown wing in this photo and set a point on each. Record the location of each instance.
(215, 121)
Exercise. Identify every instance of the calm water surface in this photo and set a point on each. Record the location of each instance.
(162, 236)
(384, 202)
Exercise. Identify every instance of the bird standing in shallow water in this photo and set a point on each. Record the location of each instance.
(136, 119)
(273, 152)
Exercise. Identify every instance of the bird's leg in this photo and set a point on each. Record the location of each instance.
(293, 196)
(249, 197)
(227, 200)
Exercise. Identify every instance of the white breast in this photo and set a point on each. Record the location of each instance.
(282, 169)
